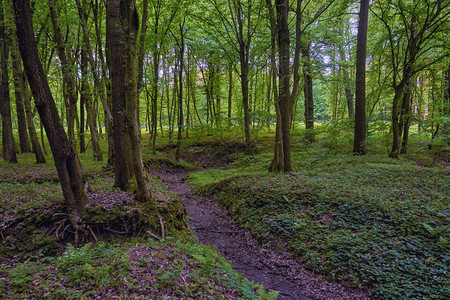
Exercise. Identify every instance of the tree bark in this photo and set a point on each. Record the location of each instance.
(230, 91)
(130, 24)
(106, 103)
(18, 92)
(116, 52)
(36, 147)
(282, 155)
(68, 166)
(308, 93)
(347, 85)
(9, 148)
(406, 117)
(359, 141)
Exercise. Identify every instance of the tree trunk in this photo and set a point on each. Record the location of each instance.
(18, 92)
(36, 147)
(68, 166)
(282, 156)
(180, 94)
(308, 92)
(116, 53)
(244, 85)
(130, 24)
(106, 103)
(359, 141)
(142, 46)
(399, 90)
(156, 62)
(86, 97)
(230, 91)
(9, 148)
(347, 85)
(69, 79)
(405, 117)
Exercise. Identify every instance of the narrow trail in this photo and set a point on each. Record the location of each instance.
(273, 269)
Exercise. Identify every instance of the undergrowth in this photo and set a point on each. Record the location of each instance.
(171, 268)
(370, 221)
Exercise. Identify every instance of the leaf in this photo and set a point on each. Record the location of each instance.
(432, 231)
(442, 242)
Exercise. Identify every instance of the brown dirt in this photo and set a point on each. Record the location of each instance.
(274, 269)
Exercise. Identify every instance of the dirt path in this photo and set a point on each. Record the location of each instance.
(273, 269)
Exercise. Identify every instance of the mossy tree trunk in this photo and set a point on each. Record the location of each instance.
(9, 148)
(68, 166)
(124, 73)
(18, 93)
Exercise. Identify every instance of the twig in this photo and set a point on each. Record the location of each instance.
(153, 235)
(162, 227)
(266, 265)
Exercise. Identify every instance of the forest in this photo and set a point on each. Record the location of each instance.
(224, 149)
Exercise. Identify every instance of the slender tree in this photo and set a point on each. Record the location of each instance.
(359, 141)
(18, 93)
(68, 76)
(9, 147)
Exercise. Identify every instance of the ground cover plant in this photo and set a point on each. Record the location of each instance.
(170, 269)
(37, 262)
(370, 221)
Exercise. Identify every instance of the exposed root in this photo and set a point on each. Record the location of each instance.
(92, 233)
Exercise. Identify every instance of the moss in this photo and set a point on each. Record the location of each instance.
(28, 242)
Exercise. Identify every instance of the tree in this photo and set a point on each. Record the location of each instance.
(18, 93)
(122, 26)
(413, 40)
(240, 20)
(68, 76)
(67, 164)
(116, 51)
(359, 141)
(9, 147)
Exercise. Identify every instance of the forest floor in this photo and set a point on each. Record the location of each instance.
(273, 268)
(339, 227)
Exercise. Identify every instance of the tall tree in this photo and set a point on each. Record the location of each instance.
(18, 93)
(67, 164)
(359, 141)
(181, 46)
(130, 23)
(284, 164)
(68, 76)
(9, 148)
(116, 54)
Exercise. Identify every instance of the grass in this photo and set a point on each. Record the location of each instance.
(370, 221)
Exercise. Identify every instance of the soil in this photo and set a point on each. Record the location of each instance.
(273, 268)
